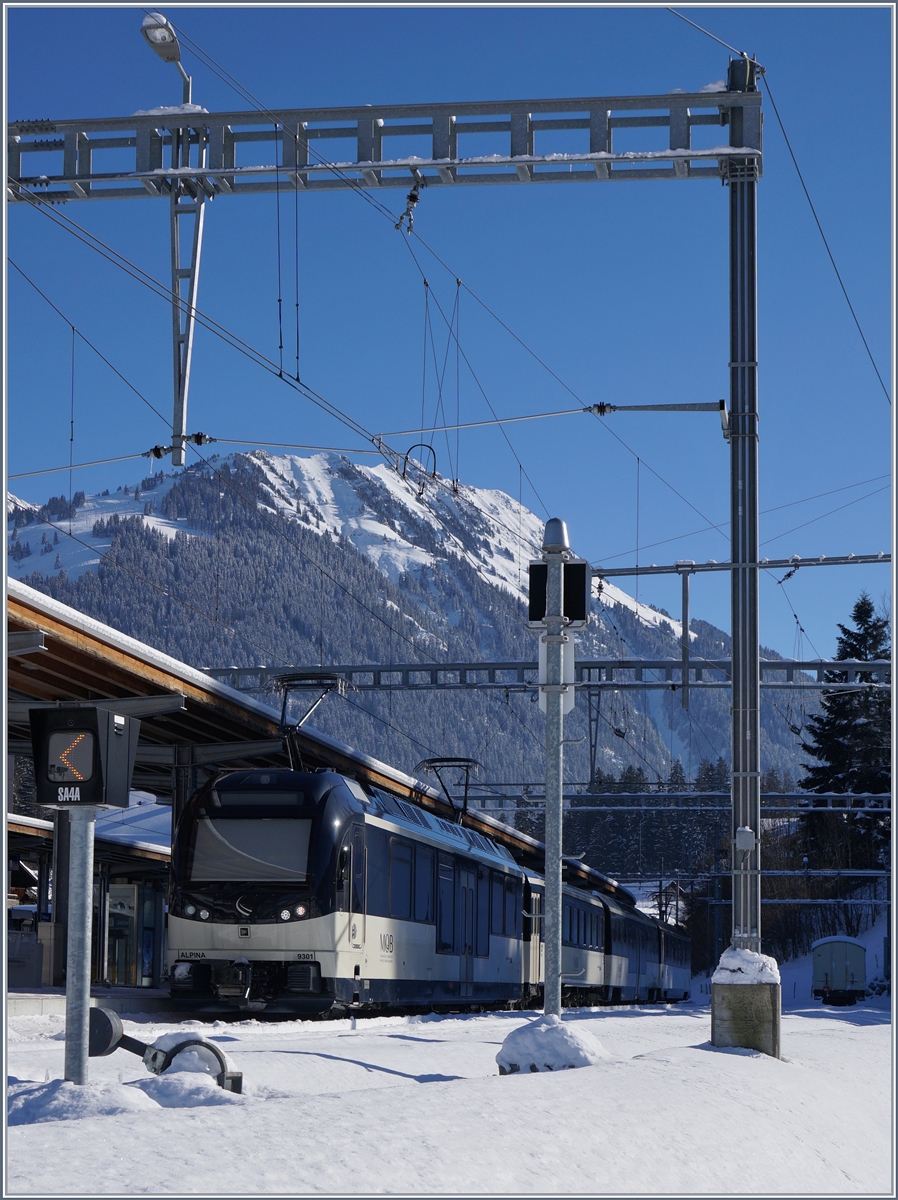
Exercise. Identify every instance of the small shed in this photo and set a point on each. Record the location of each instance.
(840, 970)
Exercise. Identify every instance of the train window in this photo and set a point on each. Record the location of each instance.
(358, 869)
(512, 906)
(446, 906)
(483, 913)
(344, 867)
(566, 925)
(378, 872)
(400, 879)
(255, 798)
(496, 905)
(250, 850)
(423, 884)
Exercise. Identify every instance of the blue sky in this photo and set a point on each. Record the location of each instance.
(621, 289)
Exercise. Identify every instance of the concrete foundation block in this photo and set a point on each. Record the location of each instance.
(746, 1016)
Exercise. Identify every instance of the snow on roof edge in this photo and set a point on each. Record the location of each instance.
(197, 678)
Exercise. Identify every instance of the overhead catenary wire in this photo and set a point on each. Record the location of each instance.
(100, 462)
(277, 203)
(294, 446)
(713, 37)
(241, 90)
(229, 483)
(254, 356)
(829, 252)
(813, 520)
(764, 511)
(764, 76)
(118, 373)
(565, 412)
(479, 385)
(245, 93)
(208, 61)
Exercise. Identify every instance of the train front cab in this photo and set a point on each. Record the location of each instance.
(258, 911)
(382, 905)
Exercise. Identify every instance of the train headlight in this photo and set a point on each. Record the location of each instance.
(205, 914)
(190, 910)
(300, 910)
(284, 914)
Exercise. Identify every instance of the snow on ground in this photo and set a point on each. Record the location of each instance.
(415, 1105)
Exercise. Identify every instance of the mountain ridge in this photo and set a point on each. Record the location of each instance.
(360, 564)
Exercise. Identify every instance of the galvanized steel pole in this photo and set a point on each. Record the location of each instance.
(555, 547)
(82, 823)
(187, 200)
(746, 777)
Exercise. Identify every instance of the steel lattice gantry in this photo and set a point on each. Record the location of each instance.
(148, 158)
(188, 157)
(608, 674)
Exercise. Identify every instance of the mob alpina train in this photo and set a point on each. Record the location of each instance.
(307, 893)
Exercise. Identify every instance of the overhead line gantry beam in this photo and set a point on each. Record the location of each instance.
(595, 673)
(144, 156)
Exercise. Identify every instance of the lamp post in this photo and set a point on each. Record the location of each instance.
(188, 200)
(161, 37)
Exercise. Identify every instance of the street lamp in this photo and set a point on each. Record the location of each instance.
(161, 37)
(188, 199)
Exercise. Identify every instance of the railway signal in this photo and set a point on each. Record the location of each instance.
(553, 610)
(83, 760)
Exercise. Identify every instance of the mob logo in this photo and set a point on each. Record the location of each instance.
(386, 943)
(68, 795)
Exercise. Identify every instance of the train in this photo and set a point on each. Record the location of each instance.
(311, 894)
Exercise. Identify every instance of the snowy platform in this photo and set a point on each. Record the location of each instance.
(417, 1106)
(51, 1000)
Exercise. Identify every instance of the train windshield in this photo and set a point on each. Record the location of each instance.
(250, 849)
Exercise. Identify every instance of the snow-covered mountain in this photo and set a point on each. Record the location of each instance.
(262, 559)
(381, 512)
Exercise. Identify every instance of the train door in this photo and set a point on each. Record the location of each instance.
(536, 940)
(357, 891)
(467, 912)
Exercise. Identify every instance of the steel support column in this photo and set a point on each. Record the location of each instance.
(554, 552)
(188, 202)
(77, 981)
(746, 774)
(684, 672)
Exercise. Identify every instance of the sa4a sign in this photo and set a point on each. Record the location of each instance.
(68, 795)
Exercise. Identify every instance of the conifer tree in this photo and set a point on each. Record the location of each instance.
(771, 782)
(677, 781)
(850, 745)
(704, 778)
(849, 738)
(721, 775)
